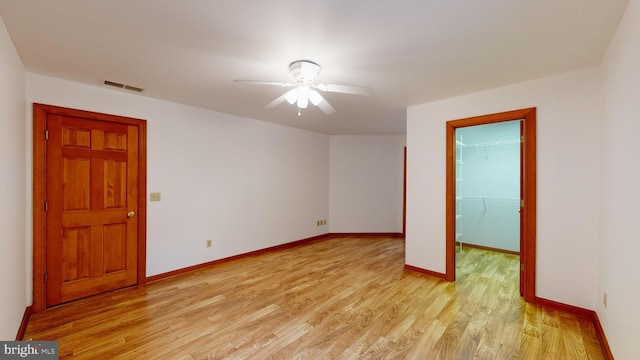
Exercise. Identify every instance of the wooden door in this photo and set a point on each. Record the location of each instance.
(94, 199)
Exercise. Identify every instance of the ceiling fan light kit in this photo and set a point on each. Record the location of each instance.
(304, 73)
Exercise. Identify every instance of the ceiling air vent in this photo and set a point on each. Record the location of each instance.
(123, 86)
(133, 88)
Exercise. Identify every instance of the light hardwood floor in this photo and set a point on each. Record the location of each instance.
(341, 298)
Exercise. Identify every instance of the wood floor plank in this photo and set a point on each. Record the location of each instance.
(339, 298)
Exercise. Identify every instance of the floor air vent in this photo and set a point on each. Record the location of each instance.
(123, 86)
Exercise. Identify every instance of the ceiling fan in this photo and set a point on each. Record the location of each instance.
(305, 89)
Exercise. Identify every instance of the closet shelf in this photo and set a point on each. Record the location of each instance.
(486, 199)
(493, 143)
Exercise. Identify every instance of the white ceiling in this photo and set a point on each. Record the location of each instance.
(409, 51)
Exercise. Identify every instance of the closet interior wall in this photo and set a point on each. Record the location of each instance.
(488, 185)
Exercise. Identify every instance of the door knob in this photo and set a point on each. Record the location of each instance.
(131, 214)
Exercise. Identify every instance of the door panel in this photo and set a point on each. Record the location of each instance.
(76, 184)
(115, 253)
(115, 184)
(92, 185)
(75, 250)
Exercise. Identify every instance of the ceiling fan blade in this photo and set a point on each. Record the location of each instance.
(319, 101)
(259, 82)
(326, 107)
(276, 102)
(346, 89)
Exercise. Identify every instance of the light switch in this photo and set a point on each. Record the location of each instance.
(154, 196)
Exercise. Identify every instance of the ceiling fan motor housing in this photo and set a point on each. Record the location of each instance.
(304, 71)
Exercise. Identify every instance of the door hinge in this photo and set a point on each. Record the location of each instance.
(46, 206)
(522, 203)
(46, 278)
(522, 138)
(46, 134)
(521, 267)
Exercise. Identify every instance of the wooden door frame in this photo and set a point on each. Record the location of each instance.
(527, 182)
(404, 196)
(40, 112)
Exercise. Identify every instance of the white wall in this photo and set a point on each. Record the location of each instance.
(490, 185)
(620, 239)
(568, 161)
(366, 182)
(243, 183)
(13, 213)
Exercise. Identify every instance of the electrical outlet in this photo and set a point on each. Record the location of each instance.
(604, 299)
(209, 243)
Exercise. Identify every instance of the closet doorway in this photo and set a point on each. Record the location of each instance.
(495, 207)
